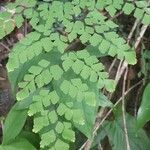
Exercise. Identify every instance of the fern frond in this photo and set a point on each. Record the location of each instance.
(64, 85)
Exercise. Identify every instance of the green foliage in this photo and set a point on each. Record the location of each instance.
(145, 63)
(19, 143)
(13, 14)
(139, 8)
(56, 84)
(7, 24)
(143, 112)
(13, 128)
(116, 135)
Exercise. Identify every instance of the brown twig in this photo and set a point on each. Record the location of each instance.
(132, 30)
(118, 72)
(143, 29)
(2, 79)
(6, 47)
(124, 111)
(112, 65)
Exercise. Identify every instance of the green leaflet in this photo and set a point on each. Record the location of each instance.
(146, 19)
(7, 24)
(128, 8)
(139, 13)
(111, 10)
(143, 112)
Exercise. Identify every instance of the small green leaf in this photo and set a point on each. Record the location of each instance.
(95, 39)
(146, 19)
(110, 85)
(78, 116)
(44, 63)
(46, 101)
(35, 107)
(85, 37)
(9, 26)
(2, 33)
(68, 114)
(67, 64)
(68, 135)
(104, 46)
(54, 97)
(97, 67)
(83, 54)
(141, 4)
(128, 8)
(78, 66)
(19, 20)
(130, 57)
(91, 60)
(29, 77)
(85, 73)
(80, 96)
(111, 24)
(47, 138)
(90, 98)
(47, 76)
(56, 72)
(47, 44)
(32, 87)
(77, 82)
(53, 116)
(93, 76)
(89, 30)
(72, 36)
(78, 27)
(35, 70)
(61, 145)
(59, 127)
(28, 13)
(39, 81)
(111, 10)
(22, 94)
(138, 13)
(65, 86)
(22, 84)
(72, 91)
(61, 109)
(104, 101)
(61, 46)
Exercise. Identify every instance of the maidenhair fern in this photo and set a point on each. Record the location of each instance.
(140, 9)
(58, 83)
(11, 16)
